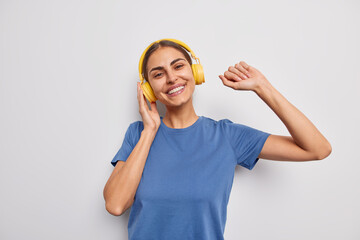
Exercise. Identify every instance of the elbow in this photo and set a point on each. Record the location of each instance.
(118, 209)
(326, 151)
(114, 210)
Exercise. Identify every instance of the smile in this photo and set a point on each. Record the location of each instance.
(176, 91)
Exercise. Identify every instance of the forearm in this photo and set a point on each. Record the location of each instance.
(302, 130)
(120, 190)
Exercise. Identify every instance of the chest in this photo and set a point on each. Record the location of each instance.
(188, 171)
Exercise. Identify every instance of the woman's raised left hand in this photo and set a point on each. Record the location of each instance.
(243, 77)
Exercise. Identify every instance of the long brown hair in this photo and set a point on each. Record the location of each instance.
(157, 45)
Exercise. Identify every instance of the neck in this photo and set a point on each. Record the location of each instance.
(180, 117)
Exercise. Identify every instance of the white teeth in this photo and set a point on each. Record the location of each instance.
(175, 89)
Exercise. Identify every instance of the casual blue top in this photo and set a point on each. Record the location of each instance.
(185, 186)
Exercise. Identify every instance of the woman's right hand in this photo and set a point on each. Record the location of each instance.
(151, 118)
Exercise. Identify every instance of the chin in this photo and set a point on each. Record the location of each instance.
(176, 102)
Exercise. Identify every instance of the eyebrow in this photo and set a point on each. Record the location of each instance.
(160, 68)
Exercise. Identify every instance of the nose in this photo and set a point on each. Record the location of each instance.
(171, 77)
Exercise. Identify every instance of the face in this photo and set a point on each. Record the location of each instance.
(167, 68)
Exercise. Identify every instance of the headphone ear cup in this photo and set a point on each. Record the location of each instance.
(198, 73)
(148, 92)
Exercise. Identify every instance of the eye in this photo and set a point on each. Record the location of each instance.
(179, 66)
(157, 75)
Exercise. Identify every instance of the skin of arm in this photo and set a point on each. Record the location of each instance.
(120, 189)
(306, 143)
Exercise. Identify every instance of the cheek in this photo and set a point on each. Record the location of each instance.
(157, 87)
(192, 86)
(187, 75)
(154, 84)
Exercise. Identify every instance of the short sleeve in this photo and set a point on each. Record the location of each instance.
(131, 138)
(247, 142)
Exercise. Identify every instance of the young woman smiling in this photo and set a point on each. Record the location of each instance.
(176, 171)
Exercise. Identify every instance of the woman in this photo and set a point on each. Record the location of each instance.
(177, 171)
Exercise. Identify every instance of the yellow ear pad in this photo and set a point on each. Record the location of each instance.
(198, 73)
(148, 92)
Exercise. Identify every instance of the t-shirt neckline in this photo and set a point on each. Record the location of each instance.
(180, 130)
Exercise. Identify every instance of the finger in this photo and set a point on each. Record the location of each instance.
(138, 95)
(138, 91)
(226, 82)
(141, 98)
(153, 107)
(239, 72)
(232, 76)
(242, 69)
(245, 65)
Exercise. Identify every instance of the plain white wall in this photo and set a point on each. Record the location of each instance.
(68, 72)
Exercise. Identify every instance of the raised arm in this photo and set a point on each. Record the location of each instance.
(305, 143)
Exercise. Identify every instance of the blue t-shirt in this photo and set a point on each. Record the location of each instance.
(185, 186)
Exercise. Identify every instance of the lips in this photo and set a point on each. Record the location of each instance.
(175, 86)
(178, 92)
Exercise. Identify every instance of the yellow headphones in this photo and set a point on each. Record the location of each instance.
(197, 70)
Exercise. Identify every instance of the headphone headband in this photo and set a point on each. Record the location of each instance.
(168, 39)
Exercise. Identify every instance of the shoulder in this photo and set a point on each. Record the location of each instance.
(136, 125)
(134, 130)
(229, 127)
(218, 123)
(208, 120)
(225, 126)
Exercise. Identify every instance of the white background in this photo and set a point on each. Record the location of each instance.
(68, 72)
